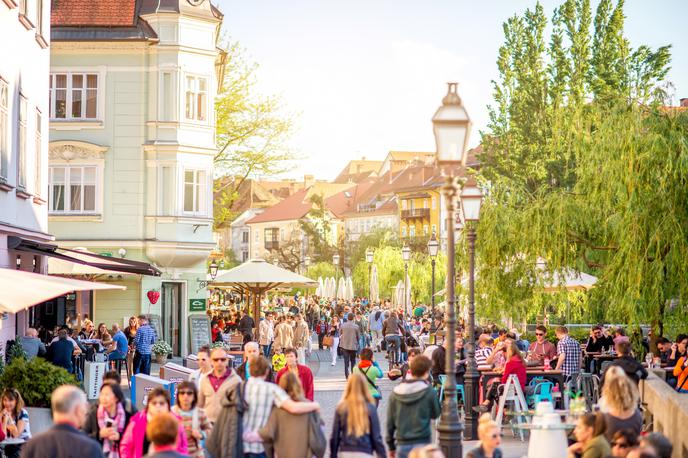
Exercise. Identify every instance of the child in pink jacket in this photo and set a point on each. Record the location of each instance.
(132, 443)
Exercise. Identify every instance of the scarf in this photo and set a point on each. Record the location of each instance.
(363, 364)
(111, 448)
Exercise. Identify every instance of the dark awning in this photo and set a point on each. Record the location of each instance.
(85, 258)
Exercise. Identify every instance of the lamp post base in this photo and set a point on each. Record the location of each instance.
(449, 434)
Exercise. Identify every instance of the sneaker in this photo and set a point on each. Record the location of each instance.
(334, 363)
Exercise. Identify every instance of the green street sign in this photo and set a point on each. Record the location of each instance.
(197, 305)
(106, 253)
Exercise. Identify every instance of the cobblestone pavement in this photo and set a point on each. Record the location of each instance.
(329, 386)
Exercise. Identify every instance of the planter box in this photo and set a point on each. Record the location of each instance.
(40, 419)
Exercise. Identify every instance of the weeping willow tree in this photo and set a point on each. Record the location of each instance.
(585, 168)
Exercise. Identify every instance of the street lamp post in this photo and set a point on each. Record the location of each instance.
(471, 199)
(306, 263)
(451, 126)
(406, 255)
(433, 248)
(369, 258)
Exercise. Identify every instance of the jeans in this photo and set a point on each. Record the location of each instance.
(349, 358)
(255, 455)
(142, 364)
(333, 350)
(404, 450)
(396, 341)
(266, 350)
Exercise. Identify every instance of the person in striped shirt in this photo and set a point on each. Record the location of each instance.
(484, 350)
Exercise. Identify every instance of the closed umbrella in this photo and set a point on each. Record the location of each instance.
(399, 294)
(321, 287)
(349, 288)
(341, 288)
(374, 287)
(407, 291)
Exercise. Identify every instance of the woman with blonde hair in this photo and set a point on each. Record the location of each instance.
(282, 427)
(619, 403)
(356, 428)
(490, 435)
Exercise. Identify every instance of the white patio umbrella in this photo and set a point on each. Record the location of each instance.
(20, 290)
(321, 287)
(332, 287)
(341, 288)
(349, 288)
(399, 294)
(256, 277)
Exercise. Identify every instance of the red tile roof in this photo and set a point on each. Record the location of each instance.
(346, 200)
(113, 13)
(293, 207)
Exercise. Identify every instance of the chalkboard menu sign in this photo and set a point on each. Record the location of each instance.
(199, 326)
(154, 322)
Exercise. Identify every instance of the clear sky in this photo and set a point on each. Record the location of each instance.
(366, 76)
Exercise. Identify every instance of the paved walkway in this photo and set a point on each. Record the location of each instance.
(329, 386)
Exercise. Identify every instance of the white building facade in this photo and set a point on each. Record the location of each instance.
(24, 67)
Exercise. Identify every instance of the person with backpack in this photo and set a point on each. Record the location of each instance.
(371, 371)
(412, 405)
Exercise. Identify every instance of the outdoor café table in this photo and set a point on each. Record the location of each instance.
(553, 375)
(600, 358)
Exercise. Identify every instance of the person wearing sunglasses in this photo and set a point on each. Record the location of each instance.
(196, 424)
(542, 349)
(490, 436)
(217, 384)
(135, 443)
(623, 442)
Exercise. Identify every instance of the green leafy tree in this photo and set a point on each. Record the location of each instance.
(577, 150)
(252, 132)
(317, 227)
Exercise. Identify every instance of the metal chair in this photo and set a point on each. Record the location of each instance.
(459, 389)
(541, 392)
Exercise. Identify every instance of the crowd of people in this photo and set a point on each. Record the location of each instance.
(257, 408)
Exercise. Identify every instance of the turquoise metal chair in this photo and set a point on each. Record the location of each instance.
(541, 392)
(459, 389)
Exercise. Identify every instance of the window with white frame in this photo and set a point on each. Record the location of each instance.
(22, 131)
(412, 231)
(196, 98)
(74, 96)
(39, 150)
(4, 126)
(73, 189)
(194, 191)
(403, 231)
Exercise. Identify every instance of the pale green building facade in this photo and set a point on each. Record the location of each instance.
(131, 154)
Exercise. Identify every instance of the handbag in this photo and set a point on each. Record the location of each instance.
(328, 341)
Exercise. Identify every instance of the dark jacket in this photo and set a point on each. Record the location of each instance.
(630, 366)
(341, 441)
(91, 425)
(60, 353)
(225, 439)
(62, 441)
(412, 405)
(603, 343)
(439, 361)
(478, 452)
(246, 325)
(392, 326)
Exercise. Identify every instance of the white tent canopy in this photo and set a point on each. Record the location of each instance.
(20, 290)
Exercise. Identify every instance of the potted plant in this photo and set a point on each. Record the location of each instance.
(161, 349)
(36, 380)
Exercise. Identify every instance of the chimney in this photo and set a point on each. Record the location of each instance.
(684, 102)
(308, 181)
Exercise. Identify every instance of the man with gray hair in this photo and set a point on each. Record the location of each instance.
(65, 439)
(32, 345)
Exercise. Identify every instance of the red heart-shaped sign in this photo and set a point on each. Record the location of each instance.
(153, 296)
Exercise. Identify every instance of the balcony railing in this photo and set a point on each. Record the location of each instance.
(271, 244)
(416, 213)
